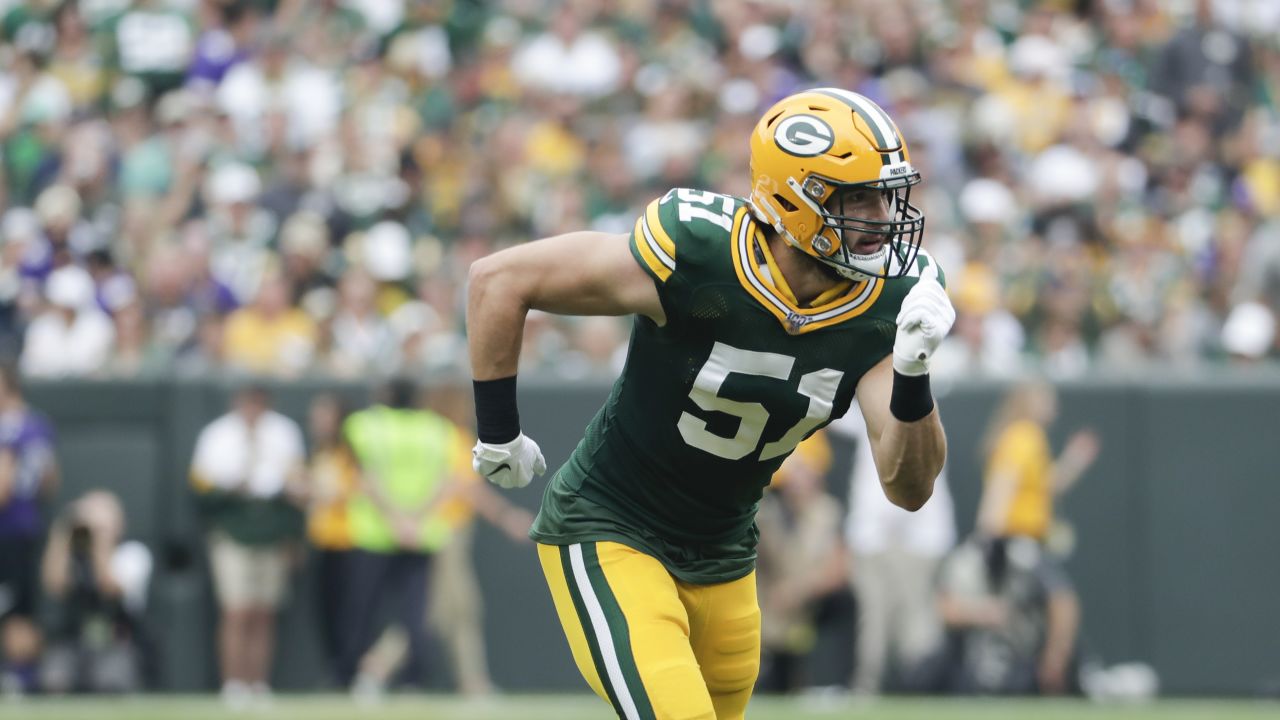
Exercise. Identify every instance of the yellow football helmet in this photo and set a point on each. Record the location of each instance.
(815, 144)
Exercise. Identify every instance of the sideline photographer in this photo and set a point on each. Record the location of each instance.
(95, 585)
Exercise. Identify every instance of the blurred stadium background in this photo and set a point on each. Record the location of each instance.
(197, 194)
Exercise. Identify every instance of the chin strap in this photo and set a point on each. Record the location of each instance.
(765, 213)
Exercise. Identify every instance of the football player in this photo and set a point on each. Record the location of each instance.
(757, 321)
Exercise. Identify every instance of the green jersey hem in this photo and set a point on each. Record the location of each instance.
(693, 578)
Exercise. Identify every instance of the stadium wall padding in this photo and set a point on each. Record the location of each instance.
(1175, 528)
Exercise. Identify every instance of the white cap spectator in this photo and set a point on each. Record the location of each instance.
(387, 251)
(988, 201)
(47, 102)
(1063, 174)
(425, 51)
(759, 42)
(71, 337)
(382, 15)
(69, 287)
(1038, 57)
(233, 183)
(1250, 331)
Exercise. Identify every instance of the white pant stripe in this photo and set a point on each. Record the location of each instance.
(604, 638)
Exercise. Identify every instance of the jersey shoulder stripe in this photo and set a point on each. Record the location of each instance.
(658, 267)
(657, 235)
(683, 226)
(652, 246)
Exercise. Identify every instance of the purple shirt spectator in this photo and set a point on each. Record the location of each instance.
(211, 296)
(216, 53)
(28, 435)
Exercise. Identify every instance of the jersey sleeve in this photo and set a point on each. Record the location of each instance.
(681, 240)
(660, 244)
(652, 243)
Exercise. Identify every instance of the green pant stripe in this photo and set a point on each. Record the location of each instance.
(618, 629)
(584, 619)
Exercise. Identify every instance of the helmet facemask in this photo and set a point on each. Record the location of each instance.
(841, 230)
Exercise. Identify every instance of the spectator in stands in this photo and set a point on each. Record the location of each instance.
(569, 59)
(72, 336)
(240, 232)
(332, 476)
(206, 356)
(154, 41)
(363, 343)
(304, 251)
(987, 340)
(802, 563)
(66, 237)
(28, 478)
(1022, 478)
(895, 556)
(95, 585)
(270, 337)
(246, 471)
(1014, 618)
(411, 463)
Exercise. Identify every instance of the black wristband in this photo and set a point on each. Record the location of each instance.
(497, 417)
(911, 398)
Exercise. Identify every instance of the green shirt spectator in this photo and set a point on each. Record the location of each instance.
(243, 464)
(408, 458)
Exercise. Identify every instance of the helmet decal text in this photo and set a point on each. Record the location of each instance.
(804, 136)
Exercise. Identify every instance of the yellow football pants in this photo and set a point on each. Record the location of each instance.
(654, 647)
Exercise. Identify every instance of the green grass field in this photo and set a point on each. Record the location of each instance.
(581, 707)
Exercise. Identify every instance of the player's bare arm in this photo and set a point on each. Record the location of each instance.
(907, 440)
(908, 455)
(580, 273)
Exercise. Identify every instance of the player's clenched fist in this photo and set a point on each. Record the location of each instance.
(510, 464)
(924, 319)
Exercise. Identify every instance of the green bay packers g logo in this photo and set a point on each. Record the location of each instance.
(804, 136)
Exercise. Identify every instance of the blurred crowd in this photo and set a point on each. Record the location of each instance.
(295, 187)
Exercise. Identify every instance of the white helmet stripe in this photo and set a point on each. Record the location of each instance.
(869, 109)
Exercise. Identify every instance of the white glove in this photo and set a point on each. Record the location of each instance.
(925, 318)
(510, 464)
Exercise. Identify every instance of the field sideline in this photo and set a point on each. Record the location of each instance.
(582, 707)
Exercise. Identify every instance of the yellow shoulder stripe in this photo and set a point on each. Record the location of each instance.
(655, 227)
(646, 253)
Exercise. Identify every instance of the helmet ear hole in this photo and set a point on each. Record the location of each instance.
(785, 203)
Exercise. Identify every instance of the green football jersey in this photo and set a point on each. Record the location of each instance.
(710, 403)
